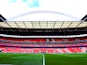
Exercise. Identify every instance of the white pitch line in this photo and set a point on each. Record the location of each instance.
(43, 60)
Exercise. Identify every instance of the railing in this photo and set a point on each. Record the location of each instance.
(70, 36)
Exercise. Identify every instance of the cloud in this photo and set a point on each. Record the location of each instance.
(76, 8)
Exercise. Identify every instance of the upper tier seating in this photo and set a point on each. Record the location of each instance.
(22, 40)
(38, 40)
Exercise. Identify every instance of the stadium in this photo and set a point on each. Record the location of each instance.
(42, 37)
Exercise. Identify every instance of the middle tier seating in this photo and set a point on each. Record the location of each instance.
(42, 45)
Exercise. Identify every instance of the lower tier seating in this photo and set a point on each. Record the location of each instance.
(43, 50)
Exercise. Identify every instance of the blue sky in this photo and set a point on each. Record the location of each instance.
(30, 3)
(12, 8)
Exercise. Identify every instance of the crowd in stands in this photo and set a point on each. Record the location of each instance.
(37, 45)
(43, 50)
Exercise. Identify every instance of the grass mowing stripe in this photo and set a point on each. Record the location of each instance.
(21, 59)
(6, 64)
(43, 59)
(66, 59)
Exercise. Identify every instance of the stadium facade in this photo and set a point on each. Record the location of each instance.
(43, 37)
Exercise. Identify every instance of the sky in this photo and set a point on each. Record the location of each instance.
(40, 10)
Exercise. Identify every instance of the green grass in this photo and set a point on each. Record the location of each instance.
(21, 59)
(66, 59)
(37, 59)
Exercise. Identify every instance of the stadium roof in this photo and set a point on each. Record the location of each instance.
(43, 24)
(43, 17)
(43, 10)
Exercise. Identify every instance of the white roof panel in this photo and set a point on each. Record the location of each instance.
(43, 24)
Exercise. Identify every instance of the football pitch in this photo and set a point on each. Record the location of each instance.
(43, 59)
